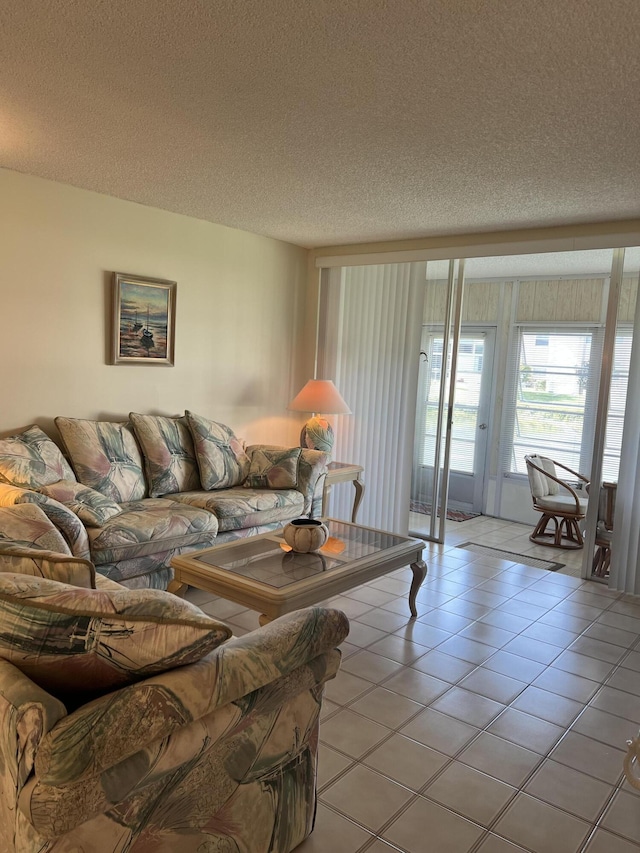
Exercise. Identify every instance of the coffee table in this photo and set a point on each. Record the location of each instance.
(262, 574)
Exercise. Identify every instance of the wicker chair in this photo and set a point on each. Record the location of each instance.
(562, 506)
(604, 530)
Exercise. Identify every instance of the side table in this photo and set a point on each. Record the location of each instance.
(344, 472)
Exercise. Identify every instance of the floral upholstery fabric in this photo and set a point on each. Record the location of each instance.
(92, 508)
(31, 459)
(27, 525)
(148, 527)
(16, 558)
(217, 756)
(81, 642)
(240, 507)
(67, 522)
(169, 456)
(312, 470)
(105, 457)
(222, 461)
(274, 469)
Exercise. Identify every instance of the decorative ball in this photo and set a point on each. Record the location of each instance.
(317, 434)
(305, 534)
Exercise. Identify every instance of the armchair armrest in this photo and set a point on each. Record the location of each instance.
(27, 713)
(583, 482)
(312, 470)
(83, 744)
(61, 516)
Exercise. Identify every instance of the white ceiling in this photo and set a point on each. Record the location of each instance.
(325, 122)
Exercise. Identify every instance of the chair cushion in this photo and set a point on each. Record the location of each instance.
(561, 503)
(274, 469)
(147, 527)
(31, 459)
(92, 508)
(239, 508)
(16, 558)
(105, 457)
(169, 457)
(27, 525)
(222, 461)
(76, 643)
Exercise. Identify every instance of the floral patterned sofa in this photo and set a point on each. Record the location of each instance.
(130, 496)
(132, 721)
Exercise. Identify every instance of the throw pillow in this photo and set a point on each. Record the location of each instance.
(169, 456)
(47, 564)
(105, 456)
(80, 643)
(274, 469)
(31, 459)
(222, 460)
(92, 508)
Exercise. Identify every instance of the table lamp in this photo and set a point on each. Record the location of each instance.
(318, 395)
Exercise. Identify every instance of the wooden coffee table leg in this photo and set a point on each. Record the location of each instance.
(419, 570)
(263, 620)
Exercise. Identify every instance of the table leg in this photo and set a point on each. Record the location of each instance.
(419, 570)
(358, 485)
(263, 620)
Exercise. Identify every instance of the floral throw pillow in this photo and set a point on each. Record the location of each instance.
(92, 508)
(80, 643)
(222, 460)
(31, 459)
(169, 457)
(274, 469)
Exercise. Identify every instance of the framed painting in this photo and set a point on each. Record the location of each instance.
(144, 320)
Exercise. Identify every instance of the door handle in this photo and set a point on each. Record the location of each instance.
(482, 426)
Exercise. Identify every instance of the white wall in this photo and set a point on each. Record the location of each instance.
(240, 313)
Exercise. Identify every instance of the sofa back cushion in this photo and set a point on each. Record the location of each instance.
(80, 643)
(106, 457)
(31, 459)
(222, 461)
(92, 508)
(169, 457)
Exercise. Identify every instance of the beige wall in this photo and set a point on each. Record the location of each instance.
(240, 313)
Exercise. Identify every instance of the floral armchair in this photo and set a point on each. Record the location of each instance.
(131, 722)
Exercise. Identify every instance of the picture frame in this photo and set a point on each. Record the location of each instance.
(143, 320)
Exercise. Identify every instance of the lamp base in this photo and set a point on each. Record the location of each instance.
(317, 434)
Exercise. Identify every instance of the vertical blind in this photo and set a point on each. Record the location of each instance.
(377, 311)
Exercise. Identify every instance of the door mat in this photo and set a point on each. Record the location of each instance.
(452, 514)
(524, 559)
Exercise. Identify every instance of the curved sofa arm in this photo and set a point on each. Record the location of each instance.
(61, 516)
(83, 744)
(312, 470)
(27, 713)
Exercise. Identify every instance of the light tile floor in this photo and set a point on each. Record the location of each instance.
(494, 723)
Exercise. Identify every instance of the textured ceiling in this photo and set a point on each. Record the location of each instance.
(323, 122)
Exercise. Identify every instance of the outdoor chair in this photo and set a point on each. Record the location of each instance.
(562, 505)
(604, 530)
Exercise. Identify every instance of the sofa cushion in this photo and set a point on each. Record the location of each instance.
(16, 558)
(222, 461)
(76, 643)
(240, 507)
(274, 469)
(27, 525)
(31, 459)
(92, 508)
(148, 527)
(105, 457)
(169, 457)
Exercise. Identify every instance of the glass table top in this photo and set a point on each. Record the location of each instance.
(269, 560)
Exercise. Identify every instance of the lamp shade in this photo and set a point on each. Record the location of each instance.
(320, 395)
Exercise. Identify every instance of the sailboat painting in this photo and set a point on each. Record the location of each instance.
(143, 320)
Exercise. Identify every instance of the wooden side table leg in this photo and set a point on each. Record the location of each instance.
(263, 620)
(358, 485)
(419, 570)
